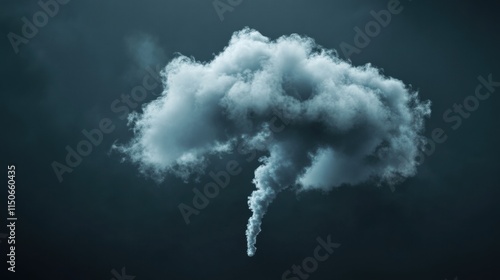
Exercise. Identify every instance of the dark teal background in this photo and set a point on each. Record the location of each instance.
(442, 223)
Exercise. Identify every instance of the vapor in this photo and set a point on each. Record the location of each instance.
(321, 122)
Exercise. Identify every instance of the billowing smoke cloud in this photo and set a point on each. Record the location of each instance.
(344, 124)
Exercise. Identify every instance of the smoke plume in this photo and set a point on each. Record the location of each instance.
(320, 121)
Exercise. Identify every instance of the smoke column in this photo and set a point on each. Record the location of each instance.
(339, 124)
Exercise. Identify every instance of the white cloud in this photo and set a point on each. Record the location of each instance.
(346, 124)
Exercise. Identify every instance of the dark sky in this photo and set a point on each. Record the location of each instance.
(104, 215)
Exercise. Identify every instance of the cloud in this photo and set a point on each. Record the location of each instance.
(344, 124)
